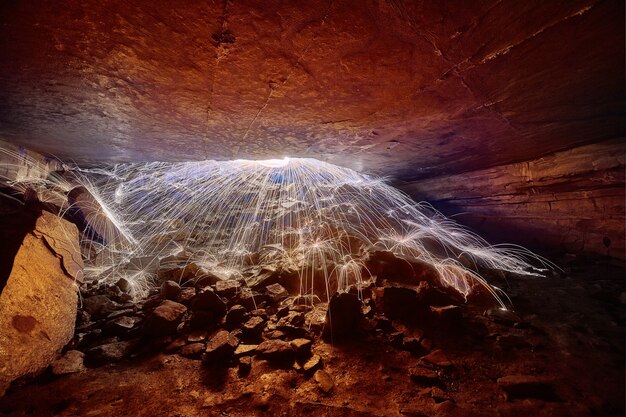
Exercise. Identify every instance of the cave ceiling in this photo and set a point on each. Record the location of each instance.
(404, 89)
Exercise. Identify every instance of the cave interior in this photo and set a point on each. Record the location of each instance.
(324, 207)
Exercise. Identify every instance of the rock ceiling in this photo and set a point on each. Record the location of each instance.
(406, 89)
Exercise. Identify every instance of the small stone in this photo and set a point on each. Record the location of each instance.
(245, 350)
(424, 376)
(192, 350)
(259, 312)
(208, 300)
(276, 351)
(110, 352)
(253, 327)
(175, 346)
(301, 346)
(121, 325)
(293, 319)
(503, 315)
(236, 315)
(227, 288)
(186, 295)
(164, 319)
(99, 305)
(71, 362)
(527, 386)
(123, 284)
(449, 316)
(197, 336)
(438, 358)
(245, 365)
(324, 381)
(411, 344)
(221, 345)
(275, 334)
(312, 364)
(170, 290)
(276, 292)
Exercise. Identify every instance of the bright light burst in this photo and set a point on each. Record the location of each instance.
(299, 214)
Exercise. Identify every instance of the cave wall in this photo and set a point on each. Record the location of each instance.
(570, 201)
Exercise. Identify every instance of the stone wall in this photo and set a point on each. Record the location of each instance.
(570, 201)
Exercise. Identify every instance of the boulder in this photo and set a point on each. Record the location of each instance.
(277, 351)
(109, 352)
(38, 302)
(164, 319)
(236, 315)
(227, 288)
(325, 382)
(276, 292)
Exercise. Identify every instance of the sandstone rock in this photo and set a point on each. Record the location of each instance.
(121, 325)
(292, 319)
(164, 319)
(123, 284)
(301, 346)
(71, 362)
(185, 296)
(312, 364)
(343, 315)
(324, 381)
(197, 336)
(276, 351)
(39, 298)
(192, 350)
(250, 299)
(189, 272)
(276, 292)
(245, 350)
(424, 376)
(208, 300)
(438, 358)
(528, 386)
(227, 288)
(253, 327)
(170, 290)
(236, 315)
(109, 352)
(99, 305)
(220, 346)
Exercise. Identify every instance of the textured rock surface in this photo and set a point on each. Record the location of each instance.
(572, 200)
(38, 302)
(406, 89)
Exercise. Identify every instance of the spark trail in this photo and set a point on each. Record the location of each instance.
(302, 214)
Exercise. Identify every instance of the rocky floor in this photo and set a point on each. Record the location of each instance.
(222, 349)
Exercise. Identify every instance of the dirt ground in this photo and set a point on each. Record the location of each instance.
(563, 357)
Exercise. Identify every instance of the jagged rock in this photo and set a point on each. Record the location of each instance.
(424, 376)
(185, 296)
(343, 315)
(164, 319)
(277, 351)
(528, 386)
(301, 346)
(438, 358)
(447, 316)
(325, 382)
(250, 299)
(220, 346)
(253, 327)
(71, 362)
(170, 290)
(227, 288)
(236, 315)
(276, 292)
(208, 300)
(123, 284)
(182, 274)
(245, 350)
(503, 316)
(99, 305)
(122, 324)
(192, 350)
(292, 319)
(259, 312)
(109, 352)
(312, 364)
(38, 297)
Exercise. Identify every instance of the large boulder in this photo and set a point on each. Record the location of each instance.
(38, 302)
